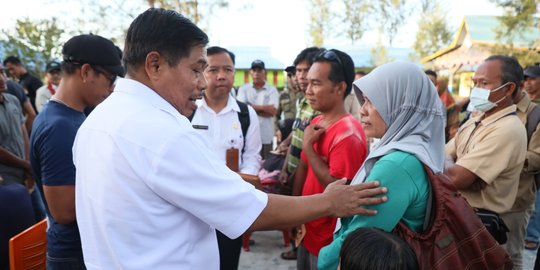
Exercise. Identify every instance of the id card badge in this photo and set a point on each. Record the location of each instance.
(232, 158)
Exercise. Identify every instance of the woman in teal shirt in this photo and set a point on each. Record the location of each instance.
(400, 106)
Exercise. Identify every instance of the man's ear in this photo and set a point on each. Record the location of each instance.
(341, 87)
(84, 72)
(152, 65)
(512, 87)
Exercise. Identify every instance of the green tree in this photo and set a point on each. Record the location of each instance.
(34, 42)
(195, 10)
(433, 30)
(379, 54)
(320, 20)
(355, 18)
(518, 17)
(391, 15)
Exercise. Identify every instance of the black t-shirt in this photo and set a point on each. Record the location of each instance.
(31, 84)
(53, 134)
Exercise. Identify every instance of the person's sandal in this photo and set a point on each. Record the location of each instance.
(289, 255)
(530, 245)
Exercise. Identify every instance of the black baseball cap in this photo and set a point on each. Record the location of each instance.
(257, 64)
(52, 66)
(290, 69)
(94, 50)
(532, 71)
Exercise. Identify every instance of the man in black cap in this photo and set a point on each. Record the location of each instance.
(89, 69)
(29, 82)
(45, 92)
(532, 82)
(264, 98)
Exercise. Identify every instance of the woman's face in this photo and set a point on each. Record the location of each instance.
(372, 122)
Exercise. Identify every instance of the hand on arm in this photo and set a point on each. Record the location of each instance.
(265, 110)
(312, 133)
(337, 200)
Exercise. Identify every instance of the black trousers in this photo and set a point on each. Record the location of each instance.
(229, 251)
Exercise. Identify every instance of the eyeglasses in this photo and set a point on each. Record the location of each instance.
(111, 77)
(331, 56)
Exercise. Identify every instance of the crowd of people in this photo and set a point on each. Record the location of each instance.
(136, 157)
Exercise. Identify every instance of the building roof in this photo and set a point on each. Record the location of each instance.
(482, 30)
(361, 56)
(246, 55)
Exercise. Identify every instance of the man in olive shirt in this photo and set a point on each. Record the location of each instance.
(516, 219)
(532, 83)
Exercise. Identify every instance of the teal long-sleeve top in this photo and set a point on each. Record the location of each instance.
(408, 192)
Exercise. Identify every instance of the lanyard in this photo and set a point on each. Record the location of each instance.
(477, 124)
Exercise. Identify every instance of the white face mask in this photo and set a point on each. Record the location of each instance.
(479, 99)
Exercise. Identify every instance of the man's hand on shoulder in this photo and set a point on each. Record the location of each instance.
(348, 200)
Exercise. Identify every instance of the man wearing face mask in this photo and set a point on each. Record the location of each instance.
(489, 149)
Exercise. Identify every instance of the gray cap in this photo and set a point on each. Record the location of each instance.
(532, 71)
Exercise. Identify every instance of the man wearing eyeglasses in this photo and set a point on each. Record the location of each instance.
(89, 69)
(334, 144)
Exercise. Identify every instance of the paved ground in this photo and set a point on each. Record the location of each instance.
(265, 254)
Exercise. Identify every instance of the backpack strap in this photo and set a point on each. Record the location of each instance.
(429, 206)
(532, 121)
(243, 117)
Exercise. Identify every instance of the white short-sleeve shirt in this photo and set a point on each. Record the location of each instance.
(224, 130)
(267, 95)
(149, 191)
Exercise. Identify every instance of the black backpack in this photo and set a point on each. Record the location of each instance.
(243, 117)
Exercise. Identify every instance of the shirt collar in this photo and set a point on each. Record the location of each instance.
(262, 88)
(498, 115)
(523, 104)
(136, 88)
(232, 105)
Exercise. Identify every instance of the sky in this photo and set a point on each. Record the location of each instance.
(278, 24)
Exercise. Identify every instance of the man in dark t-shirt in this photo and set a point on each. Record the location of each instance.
(89, 69)
(29, 82)
(16, 214)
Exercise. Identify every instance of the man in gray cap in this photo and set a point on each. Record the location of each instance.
(89, 69)
(264, 98)
(532, 82)
(45, 92)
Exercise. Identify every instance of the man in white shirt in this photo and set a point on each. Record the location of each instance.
(150, 192)
(218, 118)
(264, 98)
(46, 91)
